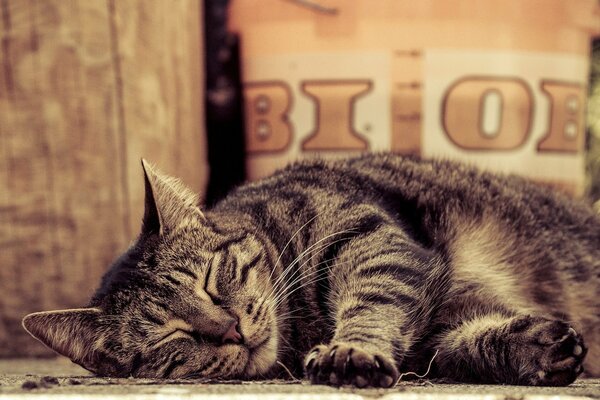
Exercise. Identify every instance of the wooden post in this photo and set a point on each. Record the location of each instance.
(87, 88)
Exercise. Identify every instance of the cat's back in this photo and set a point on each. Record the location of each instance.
(438, 191)
(442, 188)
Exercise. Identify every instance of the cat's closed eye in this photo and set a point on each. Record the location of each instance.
(216, 300)
(174, 329)
(245, 270)
(207, 291)
(175, 333)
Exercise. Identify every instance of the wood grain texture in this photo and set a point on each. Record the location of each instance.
(160, 59)
(86, 89)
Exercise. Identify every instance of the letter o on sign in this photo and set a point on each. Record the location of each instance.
(488, 113)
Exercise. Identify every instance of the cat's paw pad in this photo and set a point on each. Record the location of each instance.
(348, 364)
(551, 351)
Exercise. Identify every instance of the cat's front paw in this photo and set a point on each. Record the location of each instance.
(348, 364)
(550, 352)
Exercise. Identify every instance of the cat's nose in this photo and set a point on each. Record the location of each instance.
(233, 334)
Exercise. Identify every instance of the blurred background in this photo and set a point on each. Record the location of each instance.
(217, 92)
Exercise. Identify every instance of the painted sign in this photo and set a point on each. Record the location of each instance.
(508, 111)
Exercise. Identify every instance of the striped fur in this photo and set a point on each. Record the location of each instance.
(353, 271)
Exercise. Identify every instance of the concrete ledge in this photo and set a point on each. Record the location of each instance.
(60, 379)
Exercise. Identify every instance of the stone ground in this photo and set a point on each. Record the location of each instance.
(59, 378)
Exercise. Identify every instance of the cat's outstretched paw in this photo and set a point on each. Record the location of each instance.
(550, 352)
(348, 364)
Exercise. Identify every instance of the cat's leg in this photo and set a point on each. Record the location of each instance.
(522, 350)
(382, 287)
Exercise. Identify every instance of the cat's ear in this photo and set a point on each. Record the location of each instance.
(168, 204)
(72, 333)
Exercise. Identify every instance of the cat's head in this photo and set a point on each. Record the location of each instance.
(191, 298)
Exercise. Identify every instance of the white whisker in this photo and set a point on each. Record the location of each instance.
(302, 254)
(290, 241)
(282, 277)
(304, 284)
(287, 284)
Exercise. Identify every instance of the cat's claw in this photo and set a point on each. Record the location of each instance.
(348, 364)
(552, 350)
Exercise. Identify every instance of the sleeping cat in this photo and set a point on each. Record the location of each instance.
(353, 271)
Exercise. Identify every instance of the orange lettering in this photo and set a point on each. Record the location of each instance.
(483, 113)
(267, 126)
(565, 130)
(334, 115)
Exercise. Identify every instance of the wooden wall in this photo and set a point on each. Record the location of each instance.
(87, 87)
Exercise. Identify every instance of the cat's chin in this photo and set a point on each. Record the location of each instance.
(262, 358)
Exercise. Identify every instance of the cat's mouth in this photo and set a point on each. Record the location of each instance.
(262, 355)
(256, 346)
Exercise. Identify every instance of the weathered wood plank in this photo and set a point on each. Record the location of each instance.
(65, 219)
(25, 226)
(86, 89)
(160, 51)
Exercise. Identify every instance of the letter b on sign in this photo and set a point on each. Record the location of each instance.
(267, 126)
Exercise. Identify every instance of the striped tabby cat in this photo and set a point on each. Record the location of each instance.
(353, 271)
